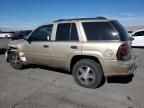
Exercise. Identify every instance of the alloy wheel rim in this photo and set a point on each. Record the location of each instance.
(15, 59)
(86, 75)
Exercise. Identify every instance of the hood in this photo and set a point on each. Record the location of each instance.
(17, 43)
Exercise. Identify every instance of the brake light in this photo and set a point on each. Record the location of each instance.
(123, 52)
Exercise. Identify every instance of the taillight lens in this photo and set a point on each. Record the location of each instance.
(123, 52)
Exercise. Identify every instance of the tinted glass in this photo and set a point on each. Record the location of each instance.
(42, 34)
(130, 31)
(74, 33)
(122, 31)
(99, 31)
(25, 33)
(66, 32)
(140, 33)
(63, 32)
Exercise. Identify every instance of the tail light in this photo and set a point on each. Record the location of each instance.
(123, 52)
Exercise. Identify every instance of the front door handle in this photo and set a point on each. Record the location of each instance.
(74, 47)
(45, 46)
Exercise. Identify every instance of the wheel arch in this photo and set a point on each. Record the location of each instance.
(79, 57)
(9, 51)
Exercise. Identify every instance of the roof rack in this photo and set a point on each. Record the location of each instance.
(101, 18)
(97, 18)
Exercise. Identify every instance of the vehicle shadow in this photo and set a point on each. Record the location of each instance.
(120, 79)
(51, 69)
(141, 47)
(2, 51)
(113, 79)
(61, 71)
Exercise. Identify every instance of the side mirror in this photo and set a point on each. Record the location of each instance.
(28, 39)
(132, 35)
(131, 38)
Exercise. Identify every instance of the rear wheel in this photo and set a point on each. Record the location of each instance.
(6, 37)
(15, 60)
(88, 73)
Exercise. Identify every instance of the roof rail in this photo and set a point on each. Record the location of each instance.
(101, 18)
(97, 18)
(59, 20)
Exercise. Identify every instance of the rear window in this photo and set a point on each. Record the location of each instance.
(122, 31)
(99, 31)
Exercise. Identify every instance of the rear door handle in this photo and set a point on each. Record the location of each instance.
(74, 47)
(45, 46)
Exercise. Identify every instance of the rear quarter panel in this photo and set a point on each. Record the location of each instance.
(106, 54)
(101, 50)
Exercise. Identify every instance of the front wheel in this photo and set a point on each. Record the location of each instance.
(15, 60)
(88, 73)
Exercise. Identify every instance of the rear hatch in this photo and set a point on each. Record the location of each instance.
(107, 36)
(124, 51)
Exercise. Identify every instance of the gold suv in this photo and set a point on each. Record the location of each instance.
(90, 48)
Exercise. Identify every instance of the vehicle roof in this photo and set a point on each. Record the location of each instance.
(99, 19)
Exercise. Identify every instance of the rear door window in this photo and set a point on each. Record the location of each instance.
(63, 31)
(74, 33)
(99, 31)
(66, 32)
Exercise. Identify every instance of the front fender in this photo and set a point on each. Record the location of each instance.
(9, 51)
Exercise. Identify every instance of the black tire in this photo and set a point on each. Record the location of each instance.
(15, 61)
(6, 37)
(89, 81)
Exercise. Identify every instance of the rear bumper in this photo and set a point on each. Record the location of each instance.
(118, 68)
